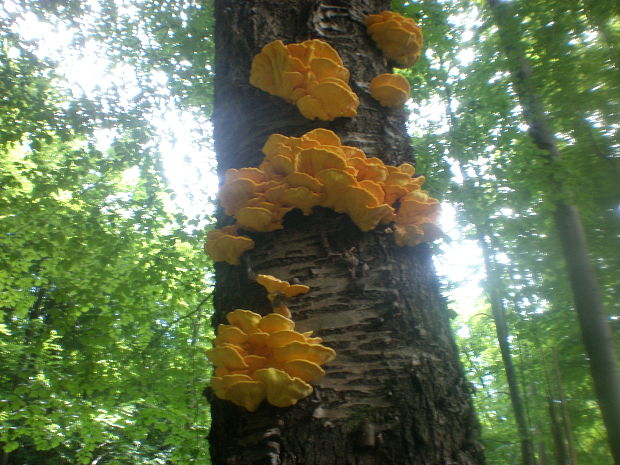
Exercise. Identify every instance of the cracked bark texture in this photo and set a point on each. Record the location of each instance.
(396, 393)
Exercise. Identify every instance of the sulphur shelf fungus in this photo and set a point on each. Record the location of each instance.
(399, 38)
(390, 90)
(317, 170)
(278, 292)
(309, 75)
(416, 219)
(262, 357)
(224, 245)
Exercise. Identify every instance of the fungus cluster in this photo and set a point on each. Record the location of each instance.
(263, 357)
(225, 245)
(309, 75)
(391, 90)
(317, 170)
(399, 38)
(278, 292)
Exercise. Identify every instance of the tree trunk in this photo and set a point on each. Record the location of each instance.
(568, 426)
(595, 329)
(541, 448)
(492, 286)
(559, 442)
(396, 393)
(561, 458)
(501, 328)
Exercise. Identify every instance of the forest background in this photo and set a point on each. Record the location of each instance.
(105, 289)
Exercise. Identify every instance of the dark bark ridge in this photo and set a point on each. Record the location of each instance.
(396, 393)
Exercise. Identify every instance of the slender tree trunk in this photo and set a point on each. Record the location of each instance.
(561, 458)
(497, 307)
(501, 328)
(596, 333)
(568, 427)
(559, 442)
(396, 393)
(541, 448)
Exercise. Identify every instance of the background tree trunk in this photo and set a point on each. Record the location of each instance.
(501, 327)
(492, 287)
(568, 427)
(395, 393)
(596, 332)
(541, 447)
(561, 457)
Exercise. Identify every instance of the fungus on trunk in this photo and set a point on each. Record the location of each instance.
(399, 38)
(317, 170)
(391, 90)
(310, 75)
(224, 245)
(263, 357)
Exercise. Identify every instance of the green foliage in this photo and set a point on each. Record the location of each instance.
(104, 310)
(482, 359)
(105, 306)
(502, 185)
(172, 37)
(28, 98)
(533, 355)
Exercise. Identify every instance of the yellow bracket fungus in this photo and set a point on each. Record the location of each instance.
(317, 170)
(391, 90)
(415, 219)
(275, 287)
(258, 358)
(259, 218)
(246, 320)
(282, 390)
(224, 245)
(309, 75)
(399, 38)
(279, 291)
